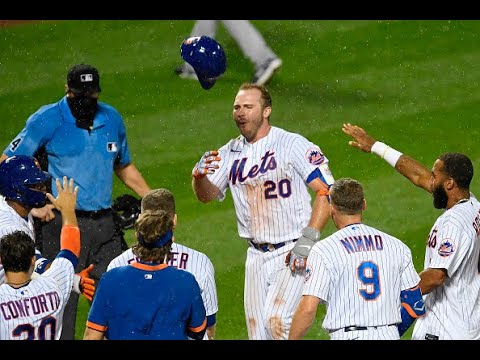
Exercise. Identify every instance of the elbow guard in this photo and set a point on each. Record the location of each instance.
(412, 307)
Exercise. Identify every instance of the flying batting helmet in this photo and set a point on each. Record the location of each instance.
(17, 175)
(206, 57)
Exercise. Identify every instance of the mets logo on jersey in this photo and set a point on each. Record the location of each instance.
(314, 156)
(446, 248)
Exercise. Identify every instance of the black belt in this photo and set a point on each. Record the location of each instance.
(268, 246)
(94, 214)
(354, 328)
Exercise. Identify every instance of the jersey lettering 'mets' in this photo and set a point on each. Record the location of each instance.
(236, 172)
(26, 307)
(353, 244)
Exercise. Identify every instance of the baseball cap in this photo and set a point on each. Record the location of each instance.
(83, 78)
(206, 57)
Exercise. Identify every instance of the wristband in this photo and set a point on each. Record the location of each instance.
(387, 153)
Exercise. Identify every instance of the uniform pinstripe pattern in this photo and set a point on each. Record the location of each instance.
(359, 273)
(35, 311)
(10, 222)
(453, 310)
(267, 180)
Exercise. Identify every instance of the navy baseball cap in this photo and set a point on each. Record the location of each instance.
(83, 78)
(206, 57)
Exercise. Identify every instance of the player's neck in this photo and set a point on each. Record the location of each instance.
(17, 279)
(459, 198)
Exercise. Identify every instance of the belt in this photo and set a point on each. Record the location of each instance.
(94, 214)
(268, 246)
(356, 328)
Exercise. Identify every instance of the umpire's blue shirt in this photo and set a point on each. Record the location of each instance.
(86, 156)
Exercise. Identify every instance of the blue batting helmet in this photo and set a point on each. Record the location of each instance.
(18, 174)
(206, 57)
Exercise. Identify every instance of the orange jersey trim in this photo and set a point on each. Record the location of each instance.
(148, 267)
(199, 328)
(96, 326)
(70, 239)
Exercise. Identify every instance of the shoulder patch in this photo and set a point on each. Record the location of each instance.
(446, 248)
(314, 156)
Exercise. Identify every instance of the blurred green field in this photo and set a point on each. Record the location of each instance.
(413, 84)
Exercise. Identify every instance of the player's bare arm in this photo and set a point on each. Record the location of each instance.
(303, 317)
(413, 170)
(431, 278)
(92, 334)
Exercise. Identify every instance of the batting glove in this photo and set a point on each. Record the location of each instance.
(296, 259)
(84, 284)
(207, 164)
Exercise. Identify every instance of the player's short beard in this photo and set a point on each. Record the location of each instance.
(440, 198)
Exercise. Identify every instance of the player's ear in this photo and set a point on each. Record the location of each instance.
(267, 111)
(174, 221)
(449, 184)
(32, 265)
(364, 206)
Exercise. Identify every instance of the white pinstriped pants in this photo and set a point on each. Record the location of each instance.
(271, 294)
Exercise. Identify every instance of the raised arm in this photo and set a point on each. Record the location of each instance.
(413, 170)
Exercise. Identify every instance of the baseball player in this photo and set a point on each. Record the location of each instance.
(359, 272)
(450, 281)
(148, 300)
(182, 257)
(268, 171)
(22, 186)
(32, 308)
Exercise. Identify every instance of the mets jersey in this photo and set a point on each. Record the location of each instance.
(35, 310)
(190, 260)
(267, 181)
(10, 222)
(453, 309)
(359, 273)
(147, 302)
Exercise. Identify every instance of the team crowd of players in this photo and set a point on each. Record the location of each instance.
(160, 289)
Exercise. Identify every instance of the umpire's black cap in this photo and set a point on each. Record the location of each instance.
(83, 78)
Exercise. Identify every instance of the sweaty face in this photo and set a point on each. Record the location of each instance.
(440, 197)
(248, 114)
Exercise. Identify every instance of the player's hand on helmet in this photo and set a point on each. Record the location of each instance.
(296, 259)
(207, 164)
(362, 140)
(84, 284)
(45, 213)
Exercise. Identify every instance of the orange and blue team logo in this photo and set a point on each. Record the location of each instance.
(446, 248)
(314, 156)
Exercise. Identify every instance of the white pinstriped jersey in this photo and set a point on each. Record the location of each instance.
(188, 259)
(10, 222)
(359, 272)
(35, 311)
(453, 309)
(267, 182)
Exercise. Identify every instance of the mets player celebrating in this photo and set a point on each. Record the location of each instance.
(269, 172)
(360, 273)
(32, 308)
(450, 281)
